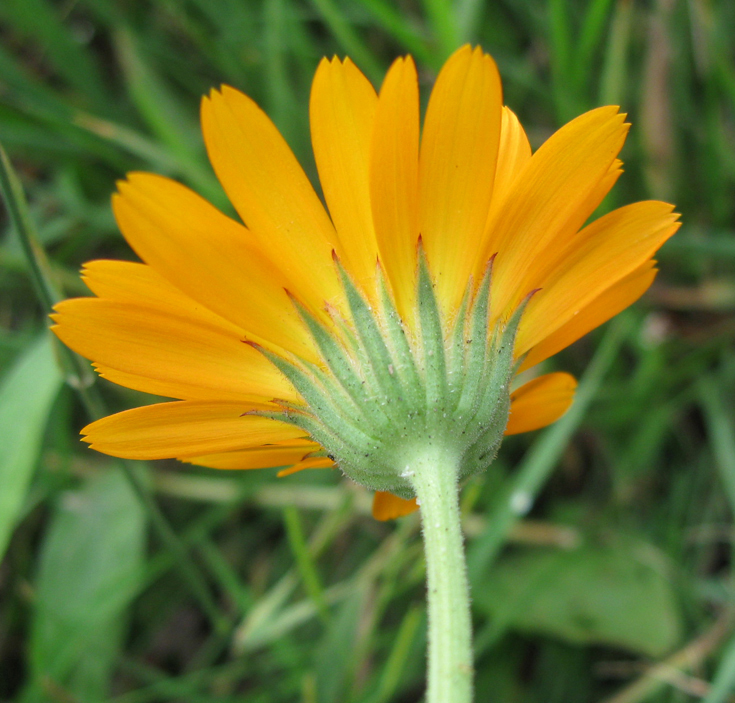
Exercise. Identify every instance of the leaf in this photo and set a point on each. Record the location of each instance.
(27, 392)
(90, 569)
(612, 594)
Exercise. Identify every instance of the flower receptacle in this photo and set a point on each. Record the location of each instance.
(384, 393)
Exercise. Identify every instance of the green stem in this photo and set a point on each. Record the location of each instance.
(433, 475)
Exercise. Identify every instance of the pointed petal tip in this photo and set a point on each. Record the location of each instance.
(540, 402)
(218, 95)
(336, 61)
(387, 506)
(406, 63)
(137, 179)
(207, 98)
(226, 90)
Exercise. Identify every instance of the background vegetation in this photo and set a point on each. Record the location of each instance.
(616, 586)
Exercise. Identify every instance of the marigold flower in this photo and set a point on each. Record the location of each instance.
(447, 263)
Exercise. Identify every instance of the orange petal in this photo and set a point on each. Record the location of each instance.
(513, 153)
(394, 184)
(552, 187)
(604, 307)
(126, 281)
(208, 360)
(271, 192)
(184, 429)
(264, 457)
(209, 257)
(387, 506)
(132, 282)
(178, 390)
(609, 249)
(540, 402)
(142, 286)
(459, 149)
(569, 237)
(341, 110)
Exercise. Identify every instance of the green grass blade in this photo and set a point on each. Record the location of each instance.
(280, 94)
(15, 202)
(444, 26)
(23, 87)
(170, 122)
(469, 16)
(724, 682)
(721, 433)
(306, 564)
(27, 393)
(393, 670)
(590, 37)
(399, 25)
(39, 20)
(334, 658)
(561, 47)
(542, 458)
(349, 39)
(615, 64)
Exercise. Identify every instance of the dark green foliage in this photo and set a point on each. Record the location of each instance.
(595, 546)
(618, 595)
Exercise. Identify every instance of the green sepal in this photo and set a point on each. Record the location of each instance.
(432, 339)
(369, 333)
(382, 394)
(405, 366)
(477, 344)
(319, 402)
(340, 366)
(501, 365)
(311, 426)
(457, 352)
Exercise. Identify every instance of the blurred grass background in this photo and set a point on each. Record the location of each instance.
(616, 586)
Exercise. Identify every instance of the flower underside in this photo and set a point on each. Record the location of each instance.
(402, 363)
(381, 393)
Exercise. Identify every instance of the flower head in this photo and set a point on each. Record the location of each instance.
(449, 261)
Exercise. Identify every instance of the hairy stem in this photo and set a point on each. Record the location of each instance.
(433, 474)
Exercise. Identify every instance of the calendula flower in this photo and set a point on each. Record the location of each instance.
(382, 337)
(303, 337)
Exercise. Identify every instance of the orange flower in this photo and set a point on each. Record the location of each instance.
(466, 198)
